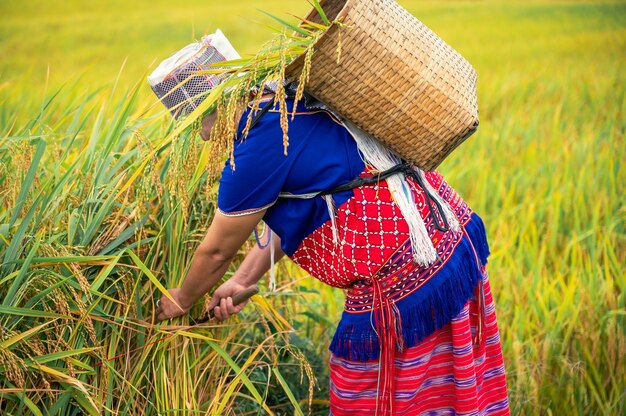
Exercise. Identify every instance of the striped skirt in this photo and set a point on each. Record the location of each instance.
(445, 374)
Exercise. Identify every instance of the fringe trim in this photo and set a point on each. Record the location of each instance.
(476, 230)
(451, 218)
(424, 311)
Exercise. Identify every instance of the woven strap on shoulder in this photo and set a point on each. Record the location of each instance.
(440, 221)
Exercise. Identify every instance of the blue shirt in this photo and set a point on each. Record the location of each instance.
(321, 154)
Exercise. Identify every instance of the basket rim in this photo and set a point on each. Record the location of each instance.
(298, 62)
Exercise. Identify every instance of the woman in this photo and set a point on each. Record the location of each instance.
(419, 333)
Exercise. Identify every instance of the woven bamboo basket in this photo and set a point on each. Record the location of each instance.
(395, 79)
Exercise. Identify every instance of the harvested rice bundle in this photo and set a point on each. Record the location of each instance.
(210, 74)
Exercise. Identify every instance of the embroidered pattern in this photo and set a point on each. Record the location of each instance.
(374, 238)
(446, 374)
(373, 260)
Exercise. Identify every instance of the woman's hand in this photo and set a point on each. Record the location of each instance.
(256, 263)
(166, 309)
(222, 300)
(210, 261)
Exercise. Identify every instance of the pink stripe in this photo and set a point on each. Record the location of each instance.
(446, 374)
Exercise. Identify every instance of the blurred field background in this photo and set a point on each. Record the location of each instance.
(85, 247)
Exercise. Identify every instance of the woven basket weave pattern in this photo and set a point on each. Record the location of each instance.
(396, 80)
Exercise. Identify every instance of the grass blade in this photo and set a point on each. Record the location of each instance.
(287, 390)
(320, 11)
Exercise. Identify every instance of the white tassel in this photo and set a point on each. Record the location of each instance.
(330, 203)
(451, 218)
(424, 252)
(381, 158)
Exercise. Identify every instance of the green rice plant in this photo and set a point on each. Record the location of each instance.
(88, 244)
(545, 171)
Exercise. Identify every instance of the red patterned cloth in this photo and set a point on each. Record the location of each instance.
(412, 339)
(371, 230)
(445, 374)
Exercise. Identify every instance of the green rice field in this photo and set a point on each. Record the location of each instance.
(94, 225)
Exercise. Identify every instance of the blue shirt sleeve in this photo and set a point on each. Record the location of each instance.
(260, 171)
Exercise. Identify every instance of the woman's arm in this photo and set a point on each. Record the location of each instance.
(257, 262)
(253, 267)
(210, 262)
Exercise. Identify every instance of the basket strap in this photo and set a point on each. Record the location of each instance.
(434, 207)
